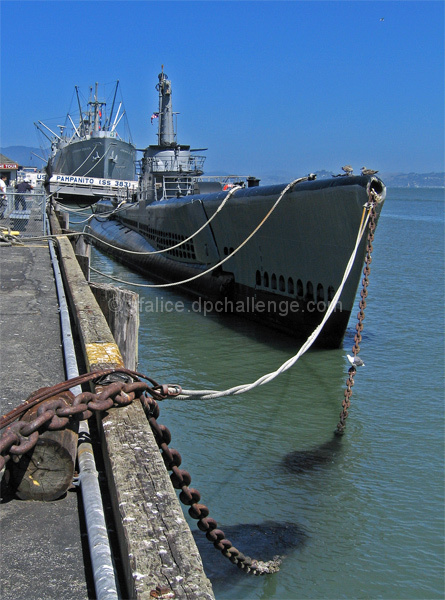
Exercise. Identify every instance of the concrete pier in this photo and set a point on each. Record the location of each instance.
(44, 545)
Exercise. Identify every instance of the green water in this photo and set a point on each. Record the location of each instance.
(368, 520)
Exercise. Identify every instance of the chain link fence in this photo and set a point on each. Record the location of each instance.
(23, 212)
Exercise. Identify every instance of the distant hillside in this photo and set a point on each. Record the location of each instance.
(23, 155)
(420, 180)
(403, 179)
(414, 179)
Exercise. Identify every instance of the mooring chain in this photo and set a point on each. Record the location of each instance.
(346, 403)
(191, 497)
(58, 407)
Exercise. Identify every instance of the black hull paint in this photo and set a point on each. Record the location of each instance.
(218, 292)
(296, 317)
(213, 286)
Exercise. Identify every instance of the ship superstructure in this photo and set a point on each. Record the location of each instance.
(91, 150)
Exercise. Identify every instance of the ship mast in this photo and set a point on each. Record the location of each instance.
(166, 133)
(108, 121)
(97, 112)
(81, 118)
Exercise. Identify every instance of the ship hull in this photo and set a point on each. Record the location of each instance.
(95, 157)
(284, 277)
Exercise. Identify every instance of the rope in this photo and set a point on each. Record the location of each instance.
(84, 210)
(121, 207)
(181, 243)
(231, 191)
(142, 285)
(95, 165)
(240, 389)
(134, 252)
(95, 146)
(213, 267)
(116, 210)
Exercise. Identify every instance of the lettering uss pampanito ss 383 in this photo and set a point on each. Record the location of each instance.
(93, 181)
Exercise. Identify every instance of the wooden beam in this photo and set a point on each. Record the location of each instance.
(157, 547)
(53, 217)
(121, 310)
(46, 472)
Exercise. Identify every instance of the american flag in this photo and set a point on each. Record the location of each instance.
(155, 115)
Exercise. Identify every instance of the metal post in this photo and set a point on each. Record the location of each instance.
(43, 212)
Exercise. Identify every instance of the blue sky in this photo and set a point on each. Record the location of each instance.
(269, 87)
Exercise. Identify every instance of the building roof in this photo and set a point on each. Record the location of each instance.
(8, 163)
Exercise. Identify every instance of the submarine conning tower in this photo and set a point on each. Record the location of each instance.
(168, 169)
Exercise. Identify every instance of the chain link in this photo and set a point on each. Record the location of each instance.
(191, 497)
(346, 403)
(59, 407)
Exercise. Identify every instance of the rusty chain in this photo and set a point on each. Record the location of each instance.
(58, 406)
(346, 403)
(191, 497)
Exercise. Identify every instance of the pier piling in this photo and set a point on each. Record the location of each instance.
(121, 310)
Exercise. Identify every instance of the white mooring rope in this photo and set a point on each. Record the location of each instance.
(241, 389)
(181, 243)
(213, 267)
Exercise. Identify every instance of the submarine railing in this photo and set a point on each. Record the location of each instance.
(171, 186)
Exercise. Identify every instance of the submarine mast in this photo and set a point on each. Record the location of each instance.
(166, 133)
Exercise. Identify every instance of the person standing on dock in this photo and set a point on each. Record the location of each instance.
(22, 187)
(3, 195)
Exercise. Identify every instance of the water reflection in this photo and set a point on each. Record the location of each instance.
(301, 461)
